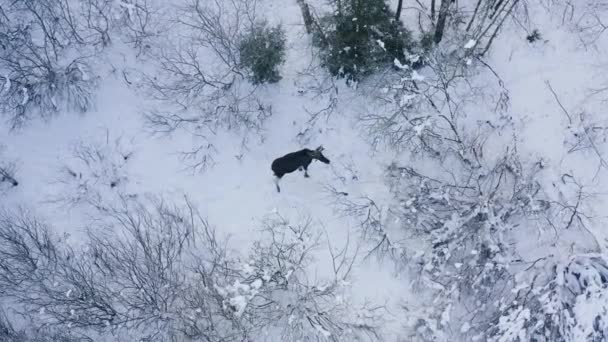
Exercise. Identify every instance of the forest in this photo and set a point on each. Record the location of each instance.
(448, 181)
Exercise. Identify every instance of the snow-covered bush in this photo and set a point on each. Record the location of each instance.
(280, 289)
(451, 229)
(96, 171)
(40, 75)
(567, 303)
(360, 38)
(467, 225)
(262, 51)
(48, 48)
(7, 173)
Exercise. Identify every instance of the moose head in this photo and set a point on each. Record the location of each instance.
(318, 154)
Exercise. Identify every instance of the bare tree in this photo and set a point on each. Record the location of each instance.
(587, 19)
(441, 20)
(279, 288)
(202, 74)
(8, 332)
(461, 24)
(136, 280)
(38, 78)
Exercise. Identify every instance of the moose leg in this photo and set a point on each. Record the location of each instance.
(276, 182)
(306, 172)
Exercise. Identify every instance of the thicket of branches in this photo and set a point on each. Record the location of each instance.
(8, 332)
(566, 302)
(156, 271)
(478, 21)
(48, 49)
(38, 79)
(201, 83)
(95, 172)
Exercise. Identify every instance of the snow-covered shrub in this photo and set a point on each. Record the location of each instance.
(417, 111)
(41, 68)
(569, 303)
(41, 89)
(360, 38)
(48, 48)
(7, 173)
(262, 51)
(96, 171)
(467, 226)
(278, 288)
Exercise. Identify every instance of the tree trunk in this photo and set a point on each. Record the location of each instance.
(441, 20)
(308, 21)
(398, 14)
(474, 15)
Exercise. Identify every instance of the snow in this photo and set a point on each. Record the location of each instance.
(25, 96)
(407, 99)
(470, 44)
(398, 64)
(83, 74)
(239, 303)
(7, 85)
(323, 332)
(237, 194)
(129, 7)
(416, 76)
(381, 43)
(248, 269)
(256, 284)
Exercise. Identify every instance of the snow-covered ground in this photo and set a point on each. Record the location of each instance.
(236, 193)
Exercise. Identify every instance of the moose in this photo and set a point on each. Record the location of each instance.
(298, 160)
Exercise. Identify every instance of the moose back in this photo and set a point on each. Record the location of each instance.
(298, 160)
